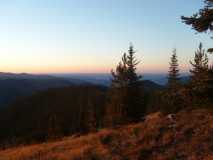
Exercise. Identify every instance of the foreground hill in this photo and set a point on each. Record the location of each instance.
(186, 135)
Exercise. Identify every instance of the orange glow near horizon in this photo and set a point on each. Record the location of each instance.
(43, 70)
(78, 64)
(84, 69)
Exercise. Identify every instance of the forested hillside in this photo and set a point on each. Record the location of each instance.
(51, 114)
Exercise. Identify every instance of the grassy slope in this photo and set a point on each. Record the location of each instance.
(187, 136)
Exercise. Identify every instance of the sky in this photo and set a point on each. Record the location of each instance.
(90, 36)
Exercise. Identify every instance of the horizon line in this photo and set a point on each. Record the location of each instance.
(54, 73)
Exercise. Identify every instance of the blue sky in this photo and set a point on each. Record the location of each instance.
(43, 36)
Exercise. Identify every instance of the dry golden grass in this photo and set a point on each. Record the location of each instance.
(188, 136)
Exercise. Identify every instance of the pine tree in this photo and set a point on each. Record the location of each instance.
(132, 62)
(172, 97)
(126, 97)
(199, 72)
(134, 99)
(203, 20)
(125, 74)
(173, 77)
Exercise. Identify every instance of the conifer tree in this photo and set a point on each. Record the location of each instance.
(126, 89)
(132, 62)
(173, 77)
(203, 20)
(125, 74)
(199, 72)
(134, 99)
(172, 97)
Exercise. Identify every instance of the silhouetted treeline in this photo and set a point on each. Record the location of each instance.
(51, 114)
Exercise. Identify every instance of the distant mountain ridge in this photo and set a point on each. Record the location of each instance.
(8, 75)
(13, 85)
(105, 78)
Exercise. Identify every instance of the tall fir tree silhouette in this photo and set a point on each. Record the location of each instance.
(173, 76)
(132, 62)
(134, 100)
(199, 72)
(126, 86)
(172, 96)
(125, 73)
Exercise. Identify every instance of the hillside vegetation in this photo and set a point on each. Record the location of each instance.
(185, 135)
(51, 114)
